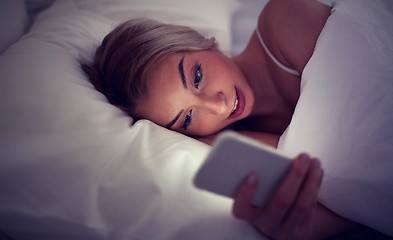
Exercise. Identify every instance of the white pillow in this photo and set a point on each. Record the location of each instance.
(72, 166)
(13, 22)
(344, 115)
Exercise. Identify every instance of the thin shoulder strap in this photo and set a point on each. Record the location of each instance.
(282, 66)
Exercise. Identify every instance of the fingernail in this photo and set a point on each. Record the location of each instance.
(252, 179)
(304, 158)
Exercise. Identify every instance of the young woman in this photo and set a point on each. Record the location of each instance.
(176, 78)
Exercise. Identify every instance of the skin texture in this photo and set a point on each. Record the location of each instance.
(207, 102)
(290, 29)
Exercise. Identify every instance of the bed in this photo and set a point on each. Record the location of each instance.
(72, 166)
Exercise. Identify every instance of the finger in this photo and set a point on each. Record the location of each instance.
(307, 198)
(242, 207)
(289, 188)
(310, 188)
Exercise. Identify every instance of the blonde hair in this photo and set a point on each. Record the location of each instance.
(127, 54)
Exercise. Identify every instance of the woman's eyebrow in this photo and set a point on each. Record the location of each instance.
(181, 72)
(169, 125)
(183, 79)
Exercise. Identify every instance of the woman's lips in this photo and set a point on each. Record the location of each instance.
(238, 105)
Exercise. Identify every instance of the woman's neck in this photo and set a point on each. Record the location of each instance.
(275, 95)
(254, 64)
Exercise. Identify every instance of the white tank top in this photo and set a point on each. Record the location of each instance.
(282, 66)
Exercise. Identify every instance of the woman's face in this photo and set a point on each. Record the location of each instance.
(197, 93)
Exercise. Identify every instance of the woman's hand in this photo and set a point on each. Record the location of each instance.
(290, 212)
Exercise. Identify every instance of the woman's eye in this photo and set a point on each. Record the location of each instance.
(187, 120)
(198, 76)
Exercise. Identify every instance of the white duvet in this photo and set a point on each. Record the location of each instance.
(345, 112)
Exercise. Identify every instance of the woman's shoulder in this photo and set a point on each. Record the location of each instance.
(291, 29)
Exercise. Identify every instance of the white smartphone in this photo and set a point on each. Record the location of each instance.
(234, 156)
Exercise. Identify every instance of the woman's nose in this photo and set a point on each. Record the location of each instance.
(215, 104)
